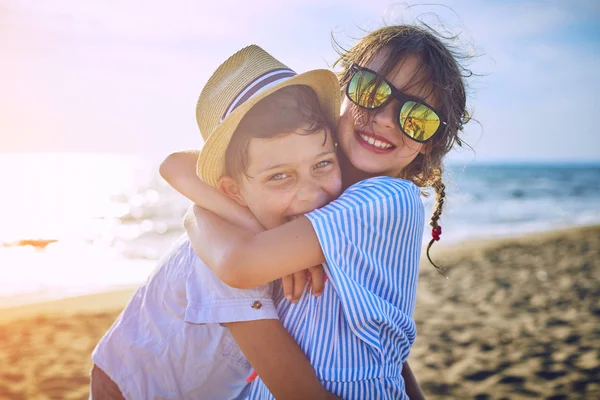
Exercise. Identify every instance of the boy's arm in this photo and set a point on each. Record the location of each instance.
(413, 390)
(179, 170)
(278, 360)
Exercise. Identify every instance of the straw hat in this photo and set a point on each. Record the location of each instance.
(239, 83)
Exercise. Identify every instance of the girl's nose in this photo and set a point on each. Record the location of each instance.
(386, 117)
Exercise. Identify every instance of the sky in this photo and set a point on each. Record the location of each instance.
(124, 76)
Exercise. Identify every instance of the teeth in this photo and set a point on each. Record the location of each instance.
(374, 142)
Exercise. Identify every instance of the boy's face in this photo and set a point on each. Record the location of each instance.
(288, 176)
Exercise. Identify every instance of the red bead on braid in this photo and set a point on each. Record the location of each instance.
(436, 233)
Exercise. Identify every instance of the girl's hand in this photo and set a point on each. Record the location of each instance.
(293, 285)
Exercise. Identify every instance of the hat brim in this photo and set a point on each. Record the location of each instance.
(211, 162)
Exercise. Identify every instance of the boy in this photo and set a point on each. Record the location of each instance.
(268, 147)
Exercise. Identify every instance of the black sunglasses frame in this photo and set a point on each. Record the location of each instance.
(395, 94)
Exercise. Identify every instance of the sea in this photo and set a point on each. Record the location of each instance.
(73, 224)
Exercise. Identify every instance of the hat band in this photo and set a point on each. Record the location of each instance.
(260, 84)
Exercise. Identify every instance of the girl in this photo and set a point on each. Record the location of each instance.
(403, 108)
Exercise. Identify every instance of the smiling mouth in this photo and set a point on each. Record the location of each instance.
(373, 141)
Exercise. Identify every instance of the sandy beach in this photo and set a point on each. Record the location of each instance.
(518, 318)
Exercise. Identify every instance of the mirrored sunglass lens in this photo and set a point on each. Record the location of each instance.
(363, 92)
(418, 121)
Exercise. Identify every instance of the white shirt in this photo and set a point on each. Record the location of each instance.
(168, 342)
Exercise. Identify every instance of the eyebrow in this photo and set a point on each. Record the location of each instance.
(270, 167)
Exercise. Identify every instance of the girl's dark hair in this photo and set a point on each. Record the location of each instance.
(440, 69)
(285, 111)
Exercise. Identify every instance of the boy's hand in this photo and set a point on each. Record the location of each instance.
(293, 285)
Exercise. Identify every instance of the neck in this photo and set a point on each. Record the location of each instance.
(351, 174)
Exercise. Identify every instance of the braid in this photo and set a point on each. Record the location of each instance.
(440, 191)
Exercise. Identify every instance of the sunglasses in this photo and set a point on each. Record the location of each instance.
(416, 119)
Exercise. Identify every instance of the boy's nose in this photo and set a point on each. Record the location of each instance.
(312, 195)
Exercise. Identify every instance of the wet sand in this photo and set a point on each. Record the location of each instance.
(518, 318)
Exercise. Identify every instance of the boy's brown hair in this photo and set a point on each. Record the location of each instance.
(288, 110)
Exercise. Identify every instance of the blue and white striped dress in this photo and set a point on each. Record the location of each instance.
(358, 334)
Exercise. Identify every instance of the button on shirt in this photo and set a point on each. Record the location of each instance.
(169, 343)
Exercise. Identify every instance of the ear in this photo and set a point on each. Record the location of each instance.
(424, 149)
(230, 188)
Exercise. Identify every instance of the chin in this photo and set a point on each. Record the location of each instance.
(365, 162)
(371, 168)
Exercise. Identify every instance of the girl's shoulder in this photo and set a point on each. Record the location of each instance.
(383, 186)
(370, 195)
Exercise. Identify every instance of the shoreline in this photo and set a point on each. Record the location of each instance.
(138, 270)
(103, 301)
(457, 248)
(26, 304)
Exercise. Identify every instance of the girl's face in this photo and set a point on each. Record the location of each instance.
(390, 151)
